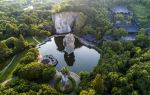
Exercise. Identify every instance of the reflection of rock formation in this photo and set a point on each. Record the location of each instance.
(59, 43)
(69, 43)
(78, 44)
(64, 21)
(70, 59)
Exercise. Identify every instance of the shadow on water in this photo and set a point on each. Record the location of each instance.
(70, 59)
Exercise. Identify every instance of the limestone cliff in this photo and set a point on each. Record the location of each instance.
(64, 21)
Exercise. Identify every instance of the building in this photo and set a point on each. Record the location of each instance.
(131, 26)
(121, 9)
(49, 59)
(148, 31)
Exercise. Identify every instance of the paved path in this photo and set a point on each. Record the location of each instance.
(5, 69)
(36, 40)
(75, 77)
(6, 81)
(12, 59)
(72, 74)
(9, 63)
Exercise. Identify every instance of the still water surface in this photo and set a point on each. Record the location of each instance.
(82, 59)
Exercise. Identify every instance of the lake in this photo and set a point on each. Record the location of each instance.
(82, 59)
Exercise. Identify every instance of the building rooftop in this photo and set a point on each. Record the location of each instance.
(45, 61)
(120, 9)
(129, 28)
(132, 29)
(148, 31)
(89, 38)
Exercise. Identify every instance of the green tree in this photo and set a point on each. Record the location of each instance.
(119, 17)
(10, 42)
(48, 73)
(98, 84)
(44, 33)
(28, 72)
(11, 29)
(142, 40)
(5, 52)
(117, 33)
(89, 92)
(24, 29)
(138, 75)
(20, 44)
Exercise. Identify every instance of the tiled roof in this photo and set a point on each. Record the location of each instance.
(120, 9)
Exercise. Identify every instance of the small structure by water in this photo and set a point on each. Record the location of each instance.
(49, 59)
(68, 43)
(129, 23)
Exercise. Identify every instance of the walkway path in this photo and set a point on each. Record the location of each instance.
(36, 40)
(4, 73)
(6, 81)
(75, 77)
(12, 59)
(72, 74)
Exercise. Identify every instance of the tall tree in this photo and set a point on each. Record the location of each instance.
(98, 84)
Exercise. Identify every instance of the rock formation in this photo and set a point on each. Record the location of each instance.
(68, 43)
(64, 21)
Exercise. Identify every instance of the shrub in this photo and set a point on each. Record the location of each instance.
(27, 88)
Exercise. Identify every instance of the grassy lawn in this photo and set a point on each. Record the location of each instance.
(7, 72)
(142, 12)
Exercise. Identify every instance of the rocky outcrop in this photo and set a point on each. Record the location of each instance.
(64, 21)
(68, 43)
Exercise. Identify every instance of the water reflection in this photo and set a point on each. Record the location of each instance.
(70, 59)
(60, 46)
(59, 43)
(82, 59)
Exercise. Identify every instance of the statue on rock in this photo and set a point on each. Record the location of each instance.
(69, 43)
(65, 75)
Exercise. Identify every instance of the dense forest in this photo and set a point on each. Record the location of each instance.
(123, 67)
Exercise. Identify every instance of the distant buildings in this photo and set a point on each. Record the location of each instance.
(148, 31)
(89, 38)
(128, 21)
(121, 9)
